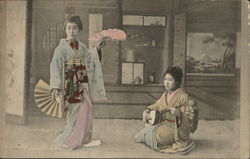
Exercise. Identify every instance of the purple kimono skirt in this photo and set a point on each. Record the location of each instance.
(78, 127)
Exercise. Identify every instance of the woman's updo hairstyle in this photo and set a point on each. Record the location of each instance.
(73, 19)
(176, 72)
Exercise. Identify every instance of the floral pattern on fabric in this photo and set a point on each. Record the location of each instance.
(75, 76)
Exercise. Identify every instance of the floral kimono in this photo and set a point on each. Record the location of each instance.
(63, 52)
(171, 134)
(77, 72)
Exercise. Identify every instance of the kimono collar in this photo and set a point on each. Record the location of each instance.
(74, 45)
(170, 96)
(71, 52)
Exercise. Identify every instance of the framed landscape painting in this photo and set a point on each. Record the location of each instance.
(211, 54)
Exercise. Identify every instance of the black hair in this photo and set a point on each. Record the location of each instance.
(176, 72)
(73, 19)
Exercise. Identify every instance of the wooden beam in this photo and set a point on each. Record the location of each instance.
(245, 84)
(201, 5)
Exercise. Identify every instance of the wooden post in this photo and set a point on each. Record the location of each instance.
(245, 82)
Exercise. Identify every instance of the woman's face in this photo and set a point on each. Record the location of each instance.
(72, 31)
(169, 82)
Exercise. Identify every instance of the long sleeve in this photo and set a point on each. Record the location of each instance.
(56, 70)
(186, 110)
(95, 76)
(158, 103)
(183, 129)
(154, 106)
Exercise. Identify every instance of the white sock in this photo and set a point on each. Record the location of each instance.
(93, 143)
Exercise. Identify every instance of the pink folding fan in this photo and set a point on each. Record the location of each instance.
(113, 34)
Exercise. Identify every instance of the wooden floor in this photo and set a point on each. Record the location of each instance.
(214, 139)
(129, 103)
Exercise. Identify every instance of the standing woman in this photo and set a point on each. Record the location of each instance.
(76, 74)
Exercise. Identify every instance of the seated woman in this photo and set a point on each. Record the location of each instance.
(172, 133)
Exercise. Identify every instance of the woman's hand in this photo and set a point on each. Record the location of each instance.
(145, 115)
(55, 93)
(175, 111)
(100, 44)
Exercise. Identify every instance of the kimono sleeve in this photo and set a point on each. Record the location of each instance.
(185, 121)
(188, 110)
(157, 104)
(96, 82)
(56, 70)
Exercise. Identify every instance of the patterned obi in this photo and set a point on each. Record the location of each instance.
(75, 77)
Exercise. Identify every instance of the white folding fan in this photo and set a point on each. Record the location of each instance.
(46, 102)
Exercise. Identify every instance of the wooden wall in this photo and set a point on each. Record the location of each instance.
(214, 16)
(162, 7)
